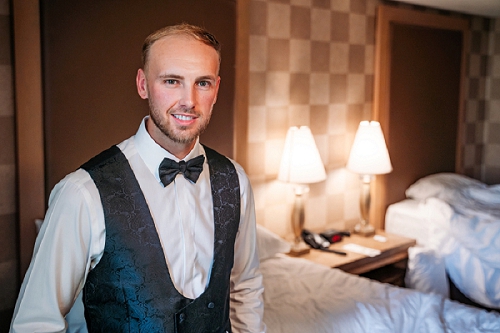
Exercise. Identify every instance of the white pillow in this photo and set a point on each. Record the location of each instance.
(440, 185)
(269, 244)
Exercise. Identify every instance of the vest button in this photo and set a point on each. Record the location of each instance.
(182, 316)
(211, 305)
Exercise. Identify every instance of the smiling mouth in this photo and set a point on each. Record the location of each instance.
(183, 117)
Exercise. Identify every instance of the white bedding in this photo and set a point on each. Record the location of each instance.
(457, 220)
(407, 218)
(470, 247)
(426, 269)
(301, 296)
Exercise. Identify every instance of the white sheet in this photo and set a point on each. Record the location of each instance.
(301, 296)
(408, 219)
(461, 227)
(463, 237)
(469, 242)
(426, 269)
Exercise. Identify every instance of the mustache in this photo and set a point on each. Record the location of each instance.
(184, 110)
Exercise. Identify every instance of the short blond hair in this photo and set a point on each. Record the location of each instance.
(183, 29)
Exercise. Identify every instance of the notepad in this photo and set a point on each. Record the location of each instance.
(361, 250)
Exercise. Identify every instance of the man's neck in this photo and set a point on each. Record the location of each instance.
(179, 150)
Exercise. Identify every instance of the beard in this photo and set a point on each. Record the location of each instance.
(178, 134)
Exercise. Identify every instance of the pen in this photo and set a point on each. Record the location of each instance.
(333, 251)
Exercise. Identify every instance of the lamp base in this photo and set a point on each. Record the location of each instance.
(364, 229)
(299, 249)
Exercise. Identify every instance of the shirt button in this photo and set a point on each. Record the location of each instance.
(211, 305)
(182, 316)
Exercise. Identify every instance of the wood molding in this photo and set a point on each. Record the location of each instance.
(29, 124)
(241, 99)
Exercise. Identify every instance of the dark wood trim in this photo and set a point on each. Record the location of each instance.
(241, 99)
(29, 124)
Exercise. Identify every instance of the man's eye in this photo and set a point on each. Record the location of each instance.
(170, 81)
(204, 84)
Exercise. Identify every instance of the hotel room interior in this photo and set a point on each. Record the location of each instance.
(67, 91)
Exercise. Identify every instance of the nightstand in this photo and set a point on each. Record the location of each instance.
(389, 266)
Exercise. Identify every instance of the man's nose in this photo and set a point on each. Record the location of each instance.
(188, 97)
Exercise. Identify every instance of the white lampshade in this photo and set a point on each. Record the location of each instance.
(301, 162)
(369, 154)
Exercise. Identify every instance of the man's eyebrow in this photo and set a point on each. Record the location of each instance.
(180, 77)
(206, 77)
(170, 76)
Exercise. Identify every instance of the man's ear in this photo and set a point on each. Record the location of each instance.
(141, 84)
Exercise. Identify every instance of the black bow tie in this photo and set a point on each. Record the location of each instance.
(191, 169)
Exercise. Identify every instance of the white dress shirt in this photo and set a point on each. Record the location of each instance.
(72, 237)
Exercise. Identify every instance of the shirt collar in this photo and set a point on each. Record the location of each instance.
(152, 153)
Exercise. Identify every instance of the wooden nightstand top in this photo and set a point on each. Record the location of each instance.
(393, 250)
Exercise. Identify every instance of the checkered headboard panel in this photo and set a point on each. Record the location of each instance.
(311, 63)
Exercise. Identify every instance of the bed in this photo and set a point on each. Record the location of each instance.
(431, 138)
(301, 296)
(456, 222)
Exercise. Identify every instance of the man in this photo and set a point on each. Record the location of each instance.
(152, 245)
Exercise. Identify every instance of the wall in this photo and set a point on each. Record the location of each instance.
(311, 63)
(82, 39)
(491, 161)
(481, 150)
(8, 216)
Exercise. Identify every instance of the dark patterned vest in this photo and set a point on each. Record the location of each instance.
(130, 289)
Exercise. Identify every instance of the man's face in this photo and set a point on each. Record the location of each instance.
(181, 83)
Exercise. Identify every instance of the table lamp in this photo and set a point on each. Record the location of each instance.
(301, 165)
(369, 156)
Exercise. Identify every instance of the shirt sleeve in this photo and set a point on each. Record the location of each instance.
(61, 260)
(247, 307)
